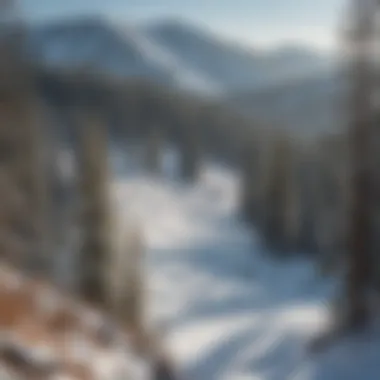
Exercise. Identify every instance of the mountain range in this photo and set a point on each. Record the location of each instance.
(171, 52)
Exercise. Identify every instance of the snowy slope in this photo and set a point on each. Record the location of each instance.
(233, 66)
(230, 66)
(184, 76)
(229, 312)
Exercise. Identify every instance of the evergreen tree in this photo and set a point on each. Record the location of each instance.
(250, 172)
(277, 195)
(95, 217)
(359, 261)
(22, 144)
(190, 150)
(154, 150)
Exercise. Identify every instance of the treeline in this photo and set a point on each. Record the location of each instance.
(137, 111)
(293, 191)
(296, 193)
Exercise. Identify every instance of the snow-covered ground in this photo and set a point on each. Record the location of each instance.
(229, 312)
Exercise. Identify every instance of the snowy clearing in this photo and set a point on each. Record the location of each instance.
(227, 311)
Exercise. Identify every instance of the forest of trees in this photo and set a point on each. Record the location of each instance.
(41, 214)
(294, 191)
(303, 196)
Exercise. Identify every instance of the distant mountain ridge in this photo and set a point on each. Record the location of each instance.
(92, 43)
(170, 52)
(235, 67)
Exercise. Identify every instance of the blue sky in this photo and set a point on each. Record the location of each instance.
(256, 22)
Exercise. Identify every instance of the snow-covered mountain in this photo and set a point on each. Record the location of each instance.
(233, 66)
(98, 45)
(171, 52)
(92, 43)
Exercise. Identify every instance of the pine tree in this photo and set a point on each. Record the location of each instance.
(95, 216)
(277, 196)
(126, 285)
(250, 183)
(354, 311)
(154, 150)
(22, 144)
(359, 262)
(190, 154)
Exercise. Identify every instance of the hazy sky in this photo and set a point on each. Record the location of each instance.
(259, 22)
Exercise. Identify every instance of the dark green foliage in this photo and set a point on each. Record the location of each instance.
(95, 218)
(276, 196)
(250, 182)
(190, 145)
(154, 146)
(198, 126)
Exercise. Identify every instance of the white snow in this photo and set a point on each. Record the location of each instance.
(229, 312)
(161, 56)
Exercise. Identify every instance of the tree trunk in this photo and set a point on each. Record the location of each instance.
(95, 223)
(359, 262)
